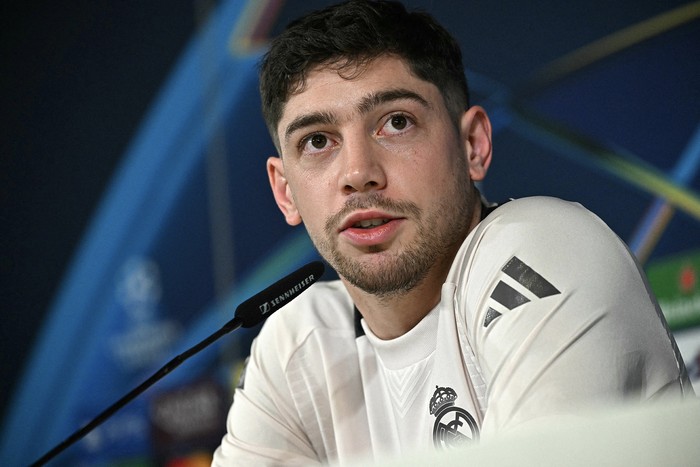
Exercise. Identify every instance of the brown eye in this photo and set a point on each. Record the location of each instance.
(319, 141)
(399, 122)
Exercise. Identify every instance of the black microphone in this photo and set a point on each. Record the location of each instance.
(248, 314)
(258, 307)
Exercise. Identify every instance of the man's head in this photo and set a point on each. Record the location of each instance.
(378, 150)
(356, 32)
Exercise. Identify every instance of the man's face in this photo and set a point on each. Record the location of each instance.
(377, 171)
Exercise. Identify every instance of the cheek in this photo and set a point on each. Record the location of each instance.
(315, 181)
(432, 166)
(312, 204)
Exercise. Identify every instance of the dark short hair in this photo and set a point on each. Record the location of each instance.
(354, 33)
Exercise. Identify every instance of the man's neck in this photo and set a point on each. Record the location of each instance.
(392, 316)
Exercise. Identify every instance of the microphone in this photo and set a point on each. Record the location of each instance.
(261, 305)
(248, 314)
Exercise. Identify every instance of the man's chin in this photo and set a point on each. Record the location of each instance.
(368, 262)
(380, 274)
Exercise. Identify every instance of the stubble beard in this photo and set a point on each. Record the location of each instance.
(390, 273)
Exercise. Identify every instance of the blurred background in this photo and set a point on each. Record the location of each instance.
(136, 214)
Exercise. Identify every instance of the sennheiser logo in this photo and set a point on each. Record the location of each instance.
(453, 425)
(280, 300)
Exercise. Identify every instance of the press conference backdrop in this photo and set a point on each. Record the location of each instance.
(188, 229)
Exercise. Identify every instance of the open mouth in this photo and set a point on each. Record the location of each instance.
(369, 223)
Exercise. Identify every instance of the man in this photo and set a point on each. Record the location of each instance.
(451, 320)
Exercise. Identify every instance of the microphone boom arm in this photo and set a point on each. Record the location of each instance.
(248, 314)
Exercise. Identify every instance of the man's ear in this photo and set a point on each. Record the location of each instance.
(281, 191)
(476, 134)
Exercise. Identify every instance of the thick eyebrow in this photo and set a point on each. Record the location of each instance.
(315, 118)
(366, 105)
(374, 100)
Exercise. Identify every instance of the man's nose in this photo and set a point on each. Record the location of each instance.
(362, 167)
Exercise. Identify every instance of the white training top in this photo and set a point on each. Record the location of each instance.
(544, 311)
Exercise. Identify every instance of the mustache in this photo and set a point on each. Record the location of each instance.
(372, 201)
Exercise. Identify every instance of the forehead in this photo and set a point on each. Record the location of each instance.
(330, 89)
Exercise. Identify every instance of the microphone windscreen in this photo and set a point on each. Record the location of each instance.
(261, 305)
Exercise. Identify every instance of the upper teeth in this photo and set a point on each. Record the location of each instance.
(371, 223)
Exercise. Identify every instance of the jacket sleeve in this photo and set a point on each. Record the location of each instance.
(560, 316)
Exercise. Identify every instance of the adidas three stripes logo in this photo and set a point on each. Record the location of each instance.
(511, 298)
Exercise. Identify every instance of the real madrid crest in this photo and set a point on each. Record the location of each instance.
(453, 425)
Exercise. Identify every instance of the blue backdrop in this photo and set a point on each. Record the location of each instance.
(188, 228)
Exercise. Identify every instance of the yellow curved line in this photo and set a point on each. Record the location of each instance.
(617, 41)
(646, 178)
(654, 183)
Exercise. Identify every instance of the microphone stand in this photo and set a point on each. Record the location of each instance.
(232, 325)
(249, 313)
